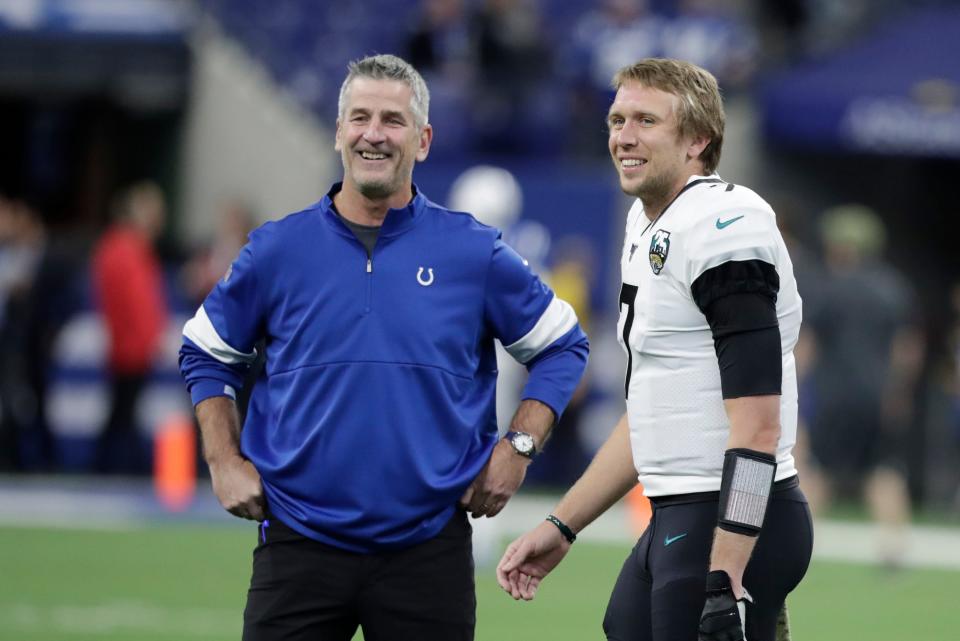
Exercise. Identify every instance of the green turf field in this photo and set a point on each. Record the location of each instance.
(183, 582)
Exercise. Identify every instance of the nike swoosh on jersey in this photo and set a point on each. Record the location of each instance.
(667, 540)
(727, 223)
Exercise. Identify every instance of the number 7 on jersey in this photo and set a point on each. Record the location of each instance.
(628, 294)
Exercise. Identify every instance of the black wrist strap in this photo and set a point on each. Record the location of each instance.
(564, 530)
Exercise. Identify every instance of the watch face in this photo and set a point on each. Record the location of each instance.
(523, 443)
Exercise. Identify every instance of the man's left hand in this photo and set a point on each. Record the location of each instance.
(724, 615)
(497, 482)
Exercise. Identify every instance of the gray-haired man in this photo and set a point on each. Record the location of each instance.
(373, 430)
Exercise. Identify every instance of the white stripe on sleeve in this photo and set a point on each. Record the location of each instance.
(557, 319)
(201, 331)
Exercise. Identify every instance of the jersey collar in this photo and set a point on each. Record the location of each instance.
(714, 177)
(692, 182)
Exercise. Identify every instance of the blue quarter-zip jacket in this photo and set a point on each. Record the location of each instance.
(376, 408)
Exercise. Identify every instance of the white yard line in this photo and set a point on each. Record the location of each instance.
(118, 617)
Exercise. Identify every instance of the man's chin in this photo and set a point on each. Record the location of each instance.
(649, 190)
(630, 187)
(376, 190)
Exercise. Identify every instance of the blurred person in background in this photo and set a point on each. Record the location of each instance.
(709, 317)
(511, 56)
(809, 273)
(868, 353)
(40, 289)
(21, 242)
(781, 28)
(372, 432)
(713, 35)
(613, 35)
(439, 42)
(21, 248)
(129, 292)
(707, 33)
(572, 263)
(209, 263)
(603, 40)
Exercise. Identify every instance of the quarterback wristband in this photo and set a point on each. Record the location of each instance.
(564, 530)
(745, 489)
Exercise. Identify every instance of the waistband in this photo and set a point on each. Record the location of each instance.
(705, 497)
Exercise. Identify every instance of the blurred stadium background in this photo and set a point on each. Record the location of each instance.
(844, 114)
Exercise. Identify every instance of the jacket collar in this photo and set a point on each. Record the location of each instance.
(397, 221)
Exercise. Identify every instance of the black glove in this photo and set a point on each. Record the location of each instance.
(723, 615)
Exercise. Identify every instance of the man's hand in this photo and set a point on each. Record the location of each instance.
(236, 483)
(497, 482)
(723, 614)
(529, 559)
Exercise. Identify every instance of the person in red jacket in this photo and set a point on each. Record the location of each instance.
(129, 291)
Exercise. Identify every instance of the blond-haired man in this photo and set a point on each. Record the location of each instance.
(709, 315)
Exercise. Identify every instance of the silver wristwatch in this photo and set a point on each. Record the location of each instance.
(522, 443)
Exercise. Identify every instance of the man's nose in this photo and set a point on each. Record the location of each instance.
(627, 136)
(374, 132)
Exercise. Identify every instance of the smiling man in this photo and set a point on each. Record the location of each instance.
(709, 316)
(373, 432)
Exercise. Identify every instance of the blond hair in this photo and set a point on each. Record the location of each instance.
(699, 104)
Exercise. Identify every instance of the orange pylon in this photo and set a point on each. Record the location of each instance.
(175, 463)
(638, 510)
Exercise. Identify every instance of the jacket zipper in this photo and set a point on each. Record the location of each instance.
(369, 284)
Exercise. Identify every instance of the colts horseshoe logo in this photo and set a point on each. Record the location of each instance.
(428, 281)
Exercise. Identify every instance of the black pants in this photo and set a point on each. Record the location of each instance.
(659, 594)
(120, 449)
(305, 590)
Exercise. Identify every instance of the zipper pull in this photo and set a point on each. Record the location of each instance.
(369, 265)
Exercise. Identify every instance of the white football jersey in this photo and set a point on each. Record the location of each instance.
(678, 425)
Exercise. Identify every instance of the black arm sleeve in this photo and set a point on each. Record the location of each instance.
(739, 300)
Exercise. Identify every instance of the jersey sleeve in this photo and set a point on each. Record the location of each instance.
(218, 342)
(536, 328)
(734, 282)
(734, 234)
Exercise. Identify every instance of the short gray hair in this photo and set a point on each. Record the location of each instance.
(387, 67)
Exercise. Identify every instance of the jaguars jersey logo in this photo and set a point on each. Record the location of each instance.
(659, 248)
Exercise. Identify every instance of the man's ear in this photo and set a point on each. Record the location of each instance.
(426, 137)
(697, 147)
(337, 143)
